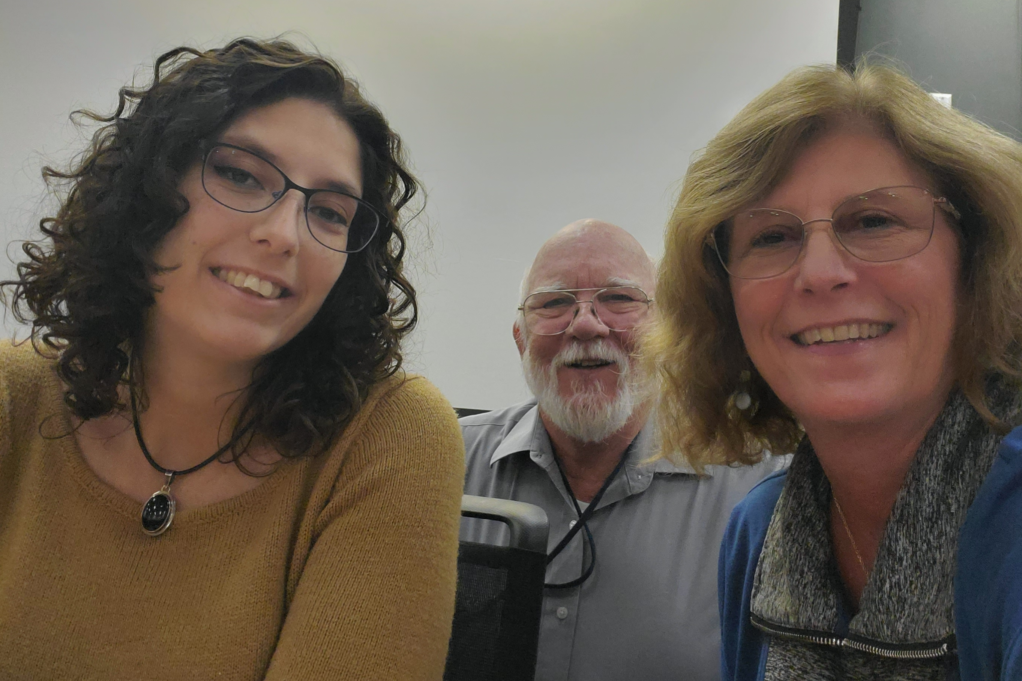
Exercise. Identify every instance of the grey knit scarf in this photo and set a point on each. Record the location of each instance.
(907, 605)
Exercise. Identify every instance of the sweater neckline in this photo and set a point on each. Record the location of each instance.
(128, 507)
(908, 598)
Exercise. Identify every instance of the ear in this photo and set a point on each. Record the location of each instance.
(516, 330)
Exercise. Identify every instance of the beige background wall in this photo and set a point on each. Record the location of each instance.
(520, 116)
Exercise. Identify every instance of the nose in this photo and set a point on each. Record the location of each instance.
(824, 264)
(279, 228)
(585, 325)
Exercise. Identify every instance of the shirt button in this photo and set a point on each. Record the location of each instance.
(562, 613)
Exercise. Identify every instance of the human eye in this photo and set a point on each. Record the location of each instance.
(238, 177)
(869, 222)
(329, 216)
(763, 231)
(557, 302)
(548, 305)
(620, 296)
(774, 237)
(332, 211)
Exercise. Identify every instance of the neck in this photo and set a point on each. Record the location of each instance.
(192, 403)
(866, 465)
(588, 464)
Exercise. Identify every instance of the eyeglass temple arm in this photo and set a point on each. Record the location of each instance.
(948, 207)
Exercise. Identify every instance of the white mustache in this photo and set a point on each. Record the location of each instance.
(599, 350)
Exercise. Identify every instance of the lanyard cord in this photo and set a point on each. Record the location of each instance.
(581, 523)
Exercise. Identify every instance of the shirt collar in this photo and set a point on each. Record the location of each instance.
(529, 436)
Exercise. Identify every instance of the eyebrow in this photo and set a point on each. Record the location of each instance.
(249, 144)
(618, 281)
(550, 288)
(611, 283)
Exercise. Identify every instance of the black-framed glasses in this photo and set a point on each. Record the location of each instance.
(619, 308)
(882, 225)
(246, 182)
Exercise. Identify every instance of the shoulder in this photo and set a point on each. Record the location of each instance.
(405, 424)
(24, 376)
(412, 397)
(751, 517)
(20, 362)
(743, 479)
(408, 410)
(483, 433)
(988, 582)
(501, 420)
(1001, 491)
(742, 646)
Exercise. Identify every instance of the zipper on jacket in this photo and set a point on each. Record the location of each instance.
(909, 651)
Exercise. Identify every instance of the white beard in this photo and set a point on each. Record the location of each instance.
(588, 415)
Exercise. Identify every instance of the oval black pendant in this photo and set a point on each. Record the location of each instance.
(158, 513)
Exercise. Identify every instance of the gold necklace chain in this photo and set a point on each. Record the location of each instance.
(855, 548)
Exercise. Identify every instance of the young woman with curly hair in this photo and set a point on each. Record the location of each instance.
(211, 464)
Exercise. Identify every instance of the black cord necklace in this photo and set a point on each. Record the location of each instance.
(158, 512)
(582, 523)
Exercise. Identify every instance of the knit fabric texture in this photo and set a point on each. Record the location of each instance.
(908, 600)
(340, 566)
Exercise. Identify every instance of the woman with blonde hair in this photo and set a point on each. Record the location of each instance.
(843, 278)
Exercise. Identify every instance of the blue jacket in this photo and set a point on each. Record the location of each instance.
(988, 582)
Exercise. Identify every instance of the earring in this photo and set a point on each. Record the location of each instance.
(742, 398)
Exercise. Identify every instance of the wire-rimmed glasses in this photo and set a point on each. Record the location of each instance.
(619, 308)
(246, 182)
(882, 225)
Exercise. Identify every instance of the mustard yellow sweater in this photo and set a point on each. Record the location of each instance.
(341, 566)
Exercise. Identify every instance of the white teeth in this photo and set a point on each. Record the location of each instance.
(833, 334)
(266, 289)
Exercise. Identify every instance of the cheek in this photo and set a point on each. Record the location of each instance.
(755, 310)
(542, 349)
(322, 275)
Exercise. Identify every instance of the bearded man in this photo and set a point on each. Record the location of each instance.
(644, 606)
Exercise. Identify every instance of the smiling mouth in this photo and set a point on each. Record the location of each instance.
(589, 364)
(841, 334)
(249, 283)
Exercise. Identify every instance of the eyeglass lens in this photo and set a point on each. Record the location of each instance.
(878, 226)
(247, 183)
(551, 312)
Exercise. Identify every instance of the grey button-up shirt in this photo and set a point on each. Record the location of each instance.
(649, 610)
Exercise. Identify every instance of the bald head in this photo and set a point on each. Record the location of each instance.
(590, 254)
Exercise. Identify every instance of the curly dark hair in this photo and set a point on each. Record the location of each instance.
(87, 284)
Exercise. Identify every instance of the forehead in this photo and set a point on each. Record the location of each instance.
(590, 261)
(305, 139)
(841, 163)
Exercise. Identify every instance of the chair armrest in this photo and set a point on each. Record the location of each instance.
(527, 523)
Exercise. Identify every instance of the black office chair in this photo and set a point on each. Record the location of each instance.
(500, 596)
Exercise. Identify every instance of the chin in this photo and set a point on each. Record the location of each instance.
(246, 347)
(844, 407)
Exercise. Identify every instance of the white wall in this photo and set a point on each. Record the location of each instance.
(519, 116)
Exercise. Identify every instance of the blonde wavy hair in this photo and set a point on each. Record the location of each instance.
(695, 347)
